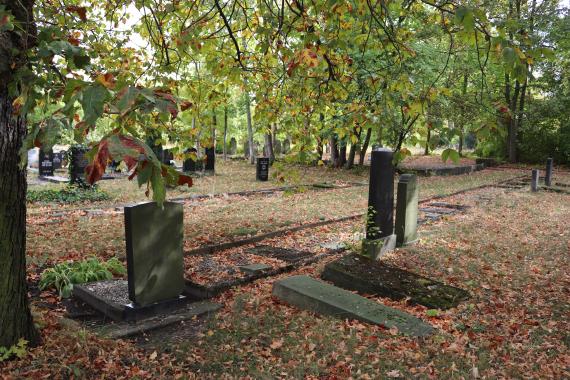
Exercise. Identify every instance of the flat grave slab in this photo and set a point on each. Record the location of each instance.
(438, 210)
(254, 268)
(358, 273)
(284, 254)
(112, 299)
(322, 298)
(54, 179)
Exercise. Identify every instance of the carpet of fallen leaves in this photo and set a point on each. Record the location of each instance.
(433, 162)
(510, 250)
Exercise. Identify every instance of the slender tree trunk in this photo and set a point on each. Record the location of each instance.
(225, 133)
(319, 148)
(334, 152)
(269, 148)
(365, 146)
(249, 125)
(15, 317)
(353, 148)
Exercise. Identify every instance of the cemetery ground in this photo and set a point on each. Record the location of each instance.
(509, 249)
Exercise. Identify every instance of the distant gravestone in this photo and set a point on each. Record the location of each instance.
(189, 164)
(233, 146)
(210, 159)
(46, 163)
(77, 164)
(534, 180)
(278, 148)
(246, 149)
(166, 157)
(407, 210)
(548, 175)
(58, 160)
(155, 265)
(286, 146)
(262, 172)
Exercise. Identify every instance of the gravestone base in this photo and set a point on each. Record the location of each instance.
(54, 179)
(376, 248)
(112, 299)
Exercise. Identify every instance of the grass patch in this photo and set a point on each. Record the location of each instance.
(69, 194)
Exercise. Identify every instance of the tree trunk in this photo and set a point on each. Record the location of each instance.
(365, 147)
(342, 156)
(15, 317)
(334, 152)
(225, 133)
(428, 138)
(249, 125)
(269, 148)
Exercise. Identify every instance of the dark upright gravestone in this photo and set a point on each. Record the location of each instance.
(46, 163)
(407, 210)
(210, 159)
(166, 157)
(77, 164)
(233, 146)
(154, 252)
(548, 175)
(380, 216)
(286, 146)
(262, 171)
(534, 180)
(189, 164)
(57, 160)
(278, 148)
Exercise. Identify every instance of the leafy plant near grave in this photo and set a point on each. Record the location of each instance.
(63, 276)
(18, 350)
(69, 194)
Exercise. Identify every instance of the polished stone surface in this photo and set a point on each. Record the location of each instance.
(407, 210)
(155, 265)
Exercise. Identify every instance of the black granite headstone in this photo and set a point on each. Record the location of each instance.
(46, 163)
(381, 195)
(77, 164)
(58, 160)
(548, 175)
(210, 159)
(262, 172)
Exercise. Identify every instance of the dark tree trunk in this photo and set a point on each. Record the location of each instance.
(319, 149)
(353, 148)
(334, 152)
(269, 148)
(428, 138)
(342, 156)
(365, 147)
(15, 317)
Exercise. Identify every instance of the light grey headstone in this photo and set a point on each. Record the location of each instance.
(534, 180)
(407, 210)
(155, 262)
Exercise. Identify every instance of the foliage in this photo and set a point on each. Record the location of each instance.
(62, 276)
(18, 350)
(69, 194)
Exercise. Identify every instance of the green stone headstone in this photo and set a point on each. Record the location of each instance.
(155, 262)
(407, 210)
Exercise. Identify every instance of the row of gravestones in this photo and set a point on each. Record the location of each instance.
(279, 147)
(50, 161)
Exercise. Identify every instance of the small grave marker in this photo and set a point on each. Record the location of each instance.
(233, 146)
(46, 164)
(78, 163)
(262, 171)
(254, 268)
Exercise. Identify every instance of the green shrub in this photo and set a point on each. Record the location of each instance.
(69, 194)
(63, 276)
(18, 350)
